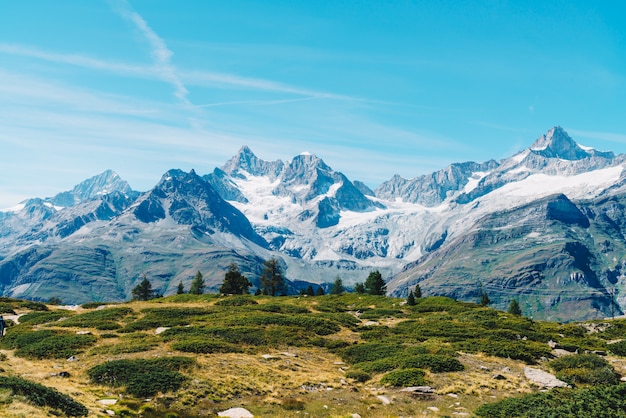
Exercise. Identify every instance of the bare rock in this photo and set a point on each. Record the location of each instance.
(543, 379)
(236, 413)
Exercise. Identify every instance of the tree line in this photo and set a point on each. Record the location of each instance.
(272, 282)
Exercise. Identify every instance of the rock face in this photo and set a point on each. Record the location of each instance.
(432, 190)
(546, 226)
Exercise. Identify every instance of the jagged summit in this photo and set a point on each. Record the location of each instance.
(105, 183)
(556, 143)
(246, 160)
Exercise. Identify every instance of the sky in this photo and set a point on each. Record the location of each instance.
(375, 88)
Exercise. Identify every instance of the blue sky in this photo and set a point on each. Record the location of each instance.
(375, 88)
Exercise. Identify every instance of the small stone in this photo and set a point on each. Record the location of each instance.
(383, 399)
(72, 358)
(160, 330)
(109, 412)
(453, 395)
(506, 370)
(236, 413)
(355, 416)
(107, 401)
(433, 408)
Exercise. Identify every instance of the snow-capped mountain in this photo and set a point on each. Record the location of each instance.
(545, 226)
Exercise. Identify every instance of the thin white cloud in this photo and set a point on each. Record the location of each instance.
(161, 54)
(603, 136)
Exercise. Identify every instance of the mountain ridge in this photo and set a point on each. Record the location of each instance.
(321, 224)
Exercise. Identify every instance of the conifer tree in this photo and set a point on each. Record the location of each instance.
(410, 300)
(320, 291)
(272, 279)
(374, 284)
(309, 291)
(337, 288)
(197, 284)
(514, 308)
(143, 291)
(180, 289)
(418, 291)
(235, 283)
(484, 299)
(359, 288)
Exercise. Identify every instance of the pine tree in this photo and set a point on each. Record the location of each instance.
(272, 279)
(235, 283)
(418, 291)
(320, 291)
(337, 288)
(180, 289)
(514, 308)
(143, 291)
(359, 288)
(197, 284)
(410, 300)
(374, 284)
(309, 291)
(484, 299)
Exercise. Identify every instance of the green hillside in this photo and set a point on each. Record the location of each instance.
(323, 356)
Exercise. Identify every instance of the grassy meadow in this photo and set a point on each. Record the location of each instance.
(324, 356)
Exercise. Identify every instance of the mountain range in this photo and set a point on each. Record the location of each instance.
(545, 227)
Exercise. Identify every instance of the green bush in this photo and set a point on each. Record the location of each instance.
(142, 378)
(374, 314)
(619, 348)
(358, 375)
(43, 396)
(236, 301)
(585, 369)
(526, 351)
(404, 378)
(433, 362)
(203, 346)
(33, 306)
(596, 402)
(43, 317)
(98, 318)
(60, 345)
(293, 404)
(360, 353)
(93, 305)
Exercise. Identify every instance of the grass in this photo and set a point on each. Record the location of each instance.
(290, 356)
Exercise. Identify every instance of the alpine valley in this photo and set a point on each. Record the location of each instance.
(546, 227)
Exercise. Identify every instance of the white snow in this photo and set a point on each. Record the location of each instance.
(306, 153)
(518, 158)
(15, 208)
(584, 148)
(578, 186)
(474, 179)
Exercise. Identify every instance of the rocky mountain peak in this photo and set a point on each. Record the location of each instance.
(246, 160)
(105, 183)
(556, 143)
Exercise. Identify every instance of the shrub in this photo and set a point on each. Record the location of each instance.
(380, 366)
(360, 353)
(43, 396)
(97, 318)
(358, 375)
(433, 362)
(43, 317)
(374, 314)
(92, 305)
(236, 301)
(601, 401)
(585, 369)
(56, 346)
(404, 378)
(527, 351)
(293, 404)
(33, 306)
(142, 378)
(203, 346)
(619, 348)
